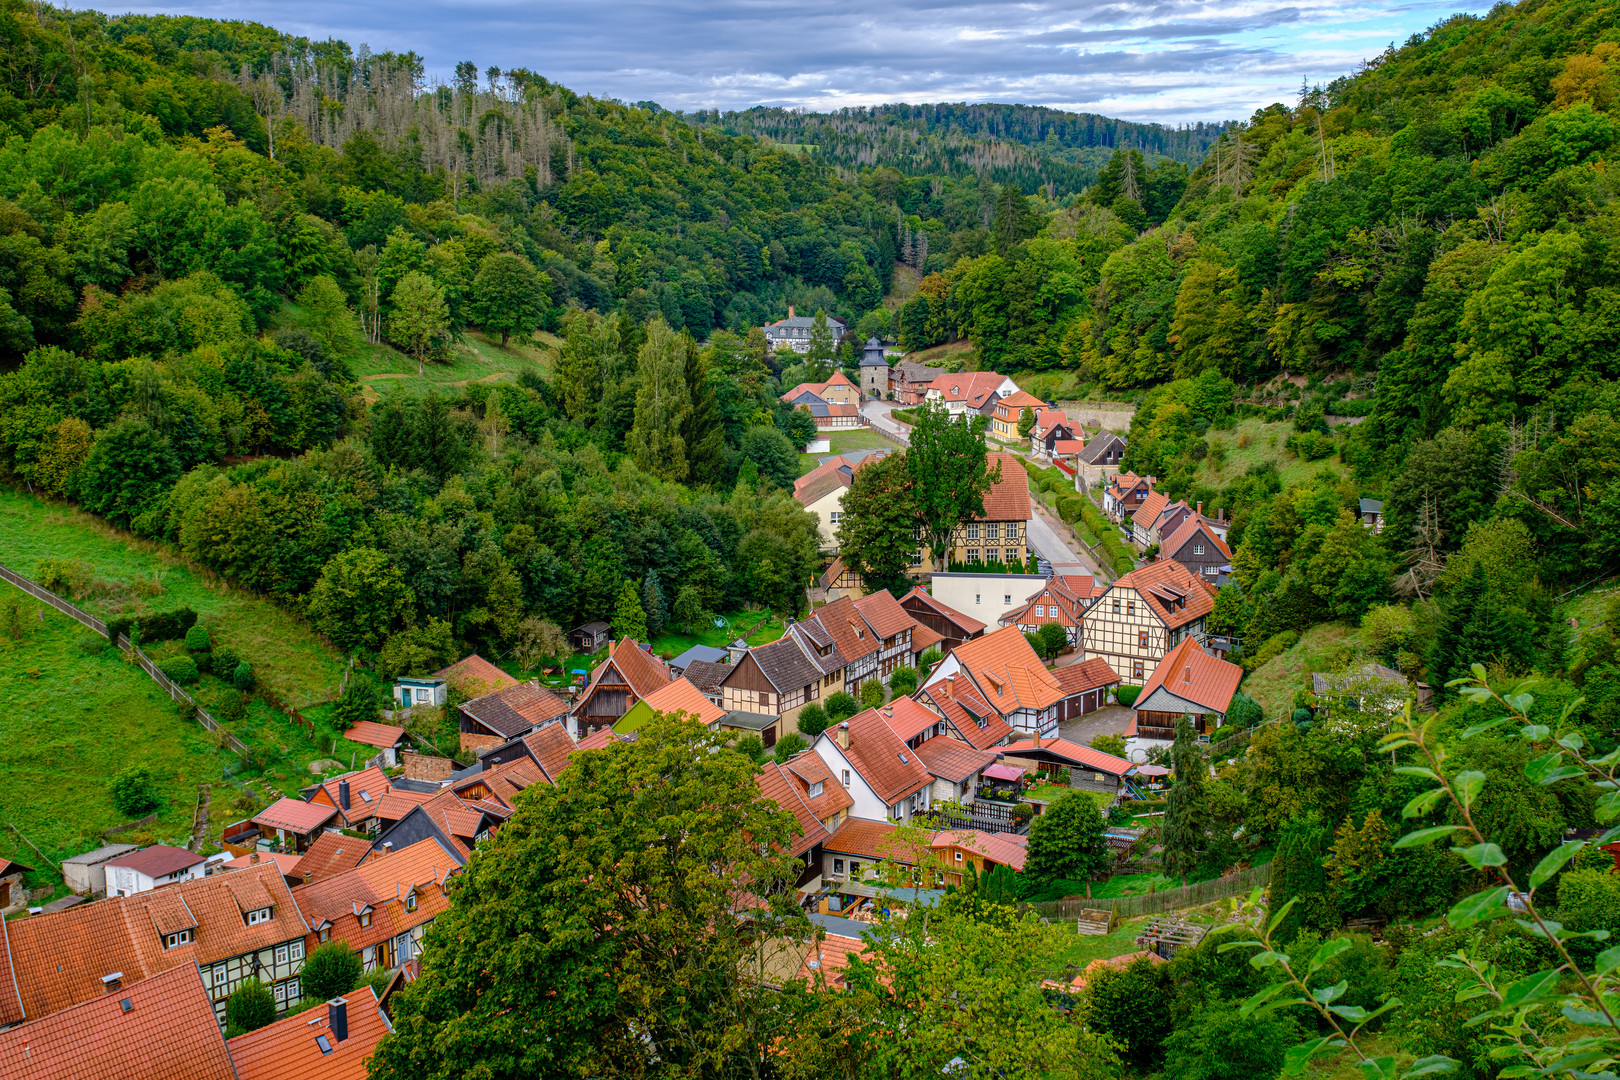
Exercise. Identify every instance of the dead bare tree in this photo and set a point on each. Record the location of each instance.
(1424, 560)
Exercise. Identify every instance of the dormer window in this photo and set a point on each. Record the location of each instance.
(171, 941)
(258, 915)
(815, 790)
(365, 918)
(410, 901)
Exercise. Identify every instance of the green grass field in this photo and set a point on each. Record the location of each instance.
(670, 644)
(1325, 647)
(380, 367)
(845, 441)
(1256, 442)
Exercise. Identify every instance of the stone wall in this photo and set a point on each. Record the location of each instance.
(428, 767)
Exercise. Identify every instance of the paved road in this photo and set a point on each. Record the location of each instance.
(877, 414)
(1108, 720)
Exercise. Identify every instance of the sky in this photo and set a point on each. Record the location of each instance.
(1166, 61)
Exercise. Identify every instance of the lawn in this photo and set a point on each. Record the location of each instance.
(481, 359)
(671, 644)
(1324, 647)
(1256, 442)
(846, 440)
(286, 654)
(955, 356)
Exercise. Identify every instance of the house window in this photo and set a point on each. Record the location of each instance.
(958, 856)
(421, 695)
(836, 516)
(838, 867)
(1198, 548)
(854, 869)
(1136, 670)
(258, 915)
(916, 558)
(281, 993)
(846, 778)
(281, 954)
(992, 532)
(1209, 571)
(815, 790)
(410, 901)
(973, 555)
(181, 938)
(1006, 598)
(1141, 639)
(1012, 530)
(297, 951)
(219, 974)
(1040, 612)
(1130, 607)
(365, 918)
(326, 935)
(1116, 607)
(1011, 556)
(975, 598)
(973, 532)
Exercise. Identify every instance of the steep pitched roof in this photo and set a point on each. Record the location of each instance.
(1192, 674)
(924, 637)
(1193, 526)
(967, 623)
(551, 746)
(371, 733)
(819, 488)
(870, 840)
(777, 785)
(1151, 508)
(1019, 400)
(1008, 498)
(1073, 753)
(953, 760)
(807, 769)
(295, 815)
(366, 789)
(331, 853)
(1097, 448)
(907, 717)
(1046, 419)
(849, 630)
(970, 715)
(168, 1032)
(289, 1047)
(1067, 597)
(884, 614)
(639, 668)
(972, 388)
(1172, 592)
(706, 675)
(515, 709)
(1007, 673)
(475, 675)
(784, 663)
(840, 467)
(382, 880)
(889, 767)
(682, 696)
(1087, 675)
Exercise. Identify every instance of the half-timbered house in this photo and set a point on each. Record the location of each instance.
(629, 674)
(1144, 615)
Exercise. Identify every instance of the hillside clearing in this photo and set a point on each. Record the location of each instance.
(479, 358)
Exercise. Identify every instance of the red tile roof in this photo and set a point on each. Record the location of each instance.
(807, 769)
(970, 387)
(474, 676)
(682, 696)
(1073, 753)
(1046, 419)
(924, 637)
(1007, 673)
(1068, 446)
(396, 804)
(1007, 499)
(1086, 675)
(884, 614)
(952, 760)
(1166, 582)
(889, 767)
(295, 815)
(11, 1009)
(908, 718)
(1192, 674)
(551, 746)
(286, 863)
(371, 733)
(514, 710)
(964, 708)
(989, 845)
(168, 1033)
(1151, 508)
(849, 630)
(1016, 402)
(778, 785)
(381, 883)
(158, 860)
(288, 1048)
(825, 961)
(965, 622)
(643, 671)
(870, 840)
(333, 853)
(366, 788)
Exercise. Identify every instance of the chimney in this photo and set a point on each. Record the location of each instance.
(343, 794)
(309, 876)
(843, 735)
(790, 311)
(388, 846)
(1220, 515)
(1200, 507)
(337, 1018)
(254, 858)
(1036, 740)
(112, 982)
(1186, 675)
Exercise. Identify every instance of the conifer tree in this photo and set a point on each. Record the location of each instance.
(652, 603)
(629, 617)
(663, 402)
(1184, 812)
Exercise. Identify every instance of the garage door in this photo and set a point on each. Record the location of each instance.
(1088, 702)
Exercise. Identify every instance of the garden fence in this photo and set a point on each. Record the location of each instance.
(39, 592)
(1126, 907)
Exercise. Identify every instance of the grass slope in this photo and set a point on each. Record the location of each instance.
(381, 367)
(846, 440)
(1324, 647)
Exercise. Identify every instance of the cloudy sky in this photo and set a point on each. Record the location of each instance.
(1162, 60)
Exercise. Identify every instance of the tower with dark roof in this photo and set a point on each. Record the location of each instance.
(874, 370)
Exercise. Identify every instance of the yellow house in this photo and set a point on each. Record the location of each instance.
(1001, 534)
(1004, 416)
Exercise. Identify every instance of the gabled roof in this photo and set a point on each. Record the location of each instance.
(396, 804)
(168, 1032)
(1007, 499)
(1087, 675)
(600, 739)
(826, 960)
(331, 853)
(1072, 753)
(1067, 597)
(915, 373)
(1172, 592)
(515, 709)
(908, 717)
(959, 703)
(550, 747)
(1098, 447)
(682, 696)
(884, 614)
(953, 760)
(820, 487)
(705, 675)
(889, 767)
(475, 675)
(973, 388)
(870, 840)
(1018, 401)
(1151, 508)
(295, 815)
(371, 733)
(711, 653)
(366, 788)
(381, 881)
(1007, 673)
(784, 663)
(778, 785)
(59, 958)
(158, 860)
(1191, 674)
(989, 845)
(924, 637)
(1193, 526)
(640, 669)
(1046, 419)
(807, 769)
(967, 623)
(289, 1048)
(1370, 506)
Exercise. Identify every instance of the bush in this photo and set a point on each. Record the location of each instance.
(812, 720)
(1217, 1043)
(752, 747)
(249, 1008)
(903, 682)
(232, 707)
(331, 971)
(119, 627)
(928, 659)
(1244, 711)
(180, 669)
(225, 660)
(1109, 744)
(1274, 647)
(873, 693)
(360, 700)
(92, 644)
(135, 792)
(1310, 445)
(197, 639)
(841, 706)
(242, 677)
(1127, 695)
(167, 625)
(788, 745)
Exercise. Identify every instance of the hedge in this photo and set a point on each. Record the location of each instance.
(162, 626)
(1127, 695)
(179, 669)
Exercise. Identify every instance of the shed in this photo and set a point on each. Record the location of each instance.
(11, 882)
(87, 873)
(385, 737)
(709, 654)
(590, 637)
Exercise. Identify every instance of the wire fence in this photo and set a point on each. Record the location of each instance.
(1126, 907)
(175, 692)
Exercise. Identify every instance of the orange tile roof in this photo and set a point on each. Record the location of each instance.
(964, 708)
(1058, 600)
(371, 733)
(825, 961)
(59, 959)
(849, 631)
(1074, 753)
(887, 765)
(682, 696)
(282, 861)
(1086, 675)
(806, 768)
(1159, 582)
(551, 746)
(11, 1008)
(777, 785)
(1151, 508)
(381, 883)
(908, 717)
(600, 739)
(169, 1032)
(643, 671)
(475, 676)
(1007, 499)
(952, 760)
(1007, 673)
(884, 614)
(965, 622)
(871, 840)
(969, 387)
(366, 788)
(288, 1047)
(924, 637)
(333, 853)
(1192, 674)
(989, 845)
(1017, 401)
(1047, 418)
(295, 815)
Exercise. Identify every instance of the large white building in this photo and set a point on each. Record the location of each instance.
(146, 869)
(792, 334)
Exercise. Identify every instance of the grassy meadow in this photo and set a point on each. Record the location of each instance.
(844, 441)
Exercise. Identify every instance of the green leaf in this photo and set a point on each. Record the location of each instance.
(1608, 806)
(1584, 1017)
(1479, 856)
(1423, 803)
(1534, 732)
(1554, 861)
(1262, 997)
(1478, 671)
(1268, 958)
(1381, 1068)
(1552, 930)
(1480, 907)
(1433, 1065)
(1281, 914)
(1295, 1058)
(1230, 945)
(1470, 732)
(1534, 988)
(1608, 960)
(1327, 951)
(1329, 994)
(1353, 1013)
(1467, 785)
(1572, 741)
(1417, 770)
(1427, 836)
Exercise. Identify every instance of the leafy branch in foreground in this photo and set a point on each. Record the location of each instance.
(1519, 1015)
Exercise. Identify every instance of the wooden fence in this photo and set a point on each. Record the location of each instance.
(1125, 907)
(174, 691)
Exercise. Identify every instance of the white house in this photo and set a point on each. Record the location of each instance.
(885, 779)
(986, 597)
(146, 869)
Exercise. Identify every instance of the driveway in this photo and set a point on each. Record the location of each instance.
(877, 412)
(1050, 544)
(1108, 720)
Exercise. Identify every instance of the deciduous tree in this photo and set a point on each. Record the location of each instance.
(509, 296)
(950, 476)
